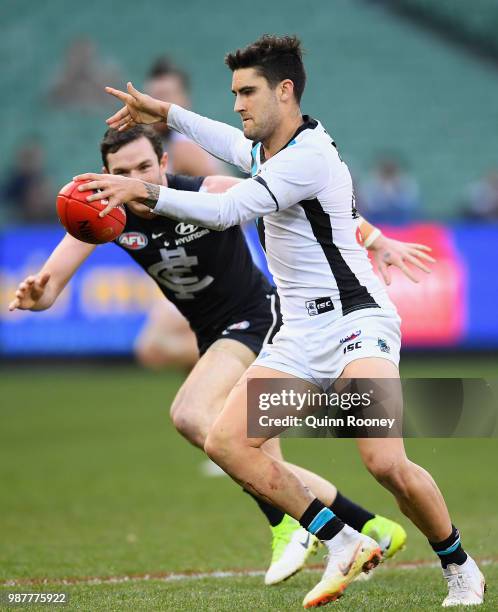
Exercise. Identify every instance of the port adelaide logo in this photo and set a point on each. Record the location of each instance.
(133, 240)
(382, 344)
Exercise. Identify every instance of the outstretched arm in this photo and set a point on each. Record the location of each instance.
(246, 200)
(39, 291)
(219, 139)
(286, 183)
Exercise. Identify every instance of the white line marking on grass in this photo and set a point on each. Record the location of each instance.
(176, 576)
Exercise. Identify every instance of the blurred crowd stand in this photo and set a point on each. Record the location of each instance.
(168, 82)
(390, 194)
(27, 192)
(82, 78)
(482, 198)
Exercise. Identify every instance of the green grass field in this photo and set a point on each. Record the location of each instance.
(96, 483)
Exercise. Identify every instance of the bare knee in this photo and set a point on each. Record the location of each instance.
(211, 447)
(223, 447)
(188, 424)
(148, 356)
(217, 446)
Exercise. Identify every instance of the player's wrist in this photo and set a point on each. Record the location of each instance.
(139, 191)
(369, 234)
(164, 108)
(147, 193)
(374, 240)
(42, 303)
(45, 300)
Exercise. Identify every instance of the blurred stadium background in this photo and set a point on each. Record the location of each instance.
(415, 89)
(93, 474)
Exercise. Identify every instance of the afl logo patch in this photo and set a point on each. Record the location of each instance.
(133, 240)
(184, 229)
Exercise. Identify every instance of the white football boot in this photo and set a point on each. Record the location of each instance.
(350, 553)
(466, 584)
(292, 545)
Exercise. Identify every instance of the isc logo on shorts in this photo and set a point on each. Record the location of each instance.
(319, 305)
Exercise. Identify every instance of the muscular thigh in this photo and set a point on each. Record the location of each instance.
(380, 450)
(207, 386)
(370, 367)
(232, 421)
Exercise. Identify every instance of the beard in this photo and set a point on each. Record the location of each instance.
(269, 118)
(259, 132)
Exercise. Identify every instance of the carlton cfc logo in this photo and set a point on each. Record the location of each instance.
(133, 240)
(184, 229)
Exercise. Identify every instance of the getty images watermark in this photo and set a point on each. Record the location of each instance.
(373, 408)
(302, 401)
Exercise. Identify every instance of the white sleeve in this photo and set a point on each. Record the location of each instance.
(243, 202)
(219, 139)
(288, 181)
(297, 173)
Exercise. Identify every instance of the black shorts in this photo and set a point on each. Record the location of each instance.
(254, 326)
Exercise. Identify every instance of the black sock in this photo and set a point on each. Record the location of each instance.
(353, 515)
(321, 521)
(450, 550)
(274, 515)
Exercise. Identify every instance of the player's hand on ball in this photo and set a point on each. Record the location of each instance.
(389, 252)
(138, 108)
(30, 291)
(112, 189)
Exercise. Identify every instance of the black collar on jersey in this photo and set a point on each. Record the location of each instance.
(182, 182)
(172, 180)
(308, 124)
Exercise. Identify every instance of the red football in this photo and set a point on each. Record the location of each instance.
(81, 218)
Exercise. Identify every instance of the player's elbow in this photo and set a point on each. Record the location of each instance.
(219, 212)
(217, 226)
(228, 213)
(211, 224)
(223, 225)
(220, 223)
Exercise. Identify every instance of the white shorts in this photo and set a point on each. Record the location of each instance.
(319, 350)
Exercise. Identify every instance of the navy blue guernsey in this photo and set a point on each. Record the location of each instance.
(209, 275)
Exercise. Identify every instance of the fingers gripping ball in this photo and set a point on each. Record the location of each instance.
(81, 218)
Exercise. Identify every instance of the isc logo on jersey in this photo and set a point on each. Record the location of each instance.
(133, 240)
(319, 305)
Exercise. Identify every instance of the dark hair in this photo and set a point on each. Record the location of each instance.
(163, 66)
(113, 140)
(274, 57)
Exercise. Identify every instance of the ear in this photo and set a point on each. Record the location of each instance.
(105, 170)
(286, 90)
(163, 164)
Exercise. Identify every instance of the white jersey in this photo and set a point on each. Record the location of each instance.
(305, 195)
